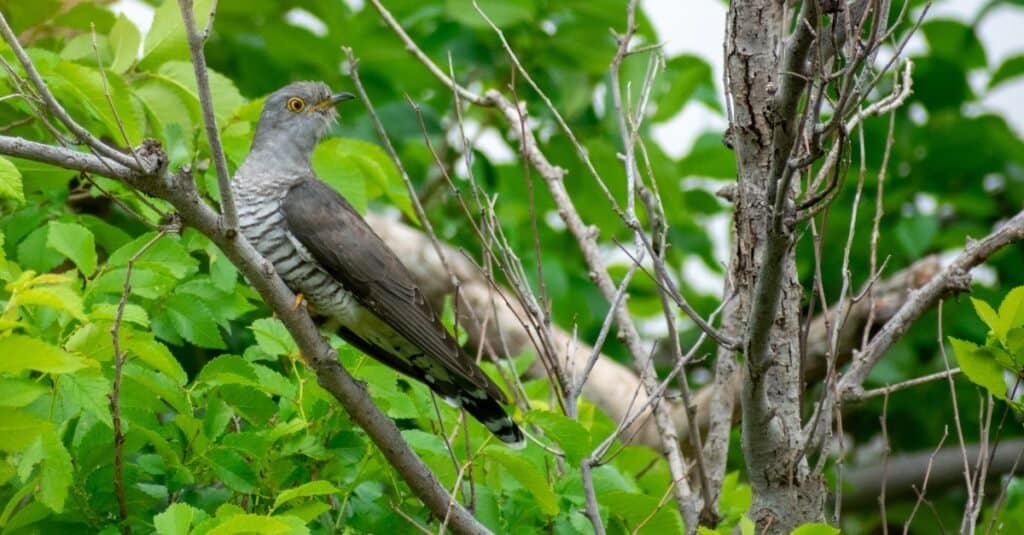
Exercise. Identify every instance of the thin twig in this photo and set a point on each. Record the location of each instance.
(115, 393)
(195, 45)
(83, 136)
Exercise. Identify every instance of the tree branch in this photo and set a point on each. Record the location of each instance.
(195, 45)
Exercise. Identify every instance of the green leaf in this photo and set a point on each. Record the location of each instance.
(166, 38)
(528, 475)
(19, 429)
(233, 470)
(338, 170)
(313, 488)
(145, 347)
(19, 352)
(166, 255)
(249, 402)
(1010, 69)
(58, 297)
(916, 233)
(1011, 311)
(247, 523)
(709, 158)
(125, 40)
(75, 242)
(131, 314)
(87, 390)
(226, 98)
(18, 392)
(177, 519)
(192, 320)
(980, 367)
(56, 474)
(378, 172)
(228, 369)
(272, 337)
(684, 74)
(644, 513)
(987, 314)
(216, 418)
(571, 437)
(954, 41)
(85, 88)
(503, 13)
(816, 528)
(10, 181)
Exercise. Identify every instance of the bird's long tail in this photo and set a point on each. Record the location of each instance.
(492, 415)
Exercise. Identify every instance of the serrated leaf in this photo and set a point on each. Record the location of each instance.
(313, 488)
(216, 418)
(815, 528)
(10, 181)
(226, 97)
(108, 312)
(272, 337)
(528, 475)
(1011, 311)
(75, 242)
(166, 37)
(233, 470)
(192, 320)
(249, 402)
(124, 40)
(644, 513)
(248, 523)
(378, 172)
(146, 348)
(979, 366)
(573, 439)
(85, 87)
(87, 390)
(56, 473)
(18, 392)
(228, 369)
(177, 519)
(166, 255)
(19, 352)
(53, 296)
(988, 315)
(19, 429)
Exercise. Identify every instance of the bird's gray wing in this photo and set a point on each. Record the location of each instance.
(343, 243)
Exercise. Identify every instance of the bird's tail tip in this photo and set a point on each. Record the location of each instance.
(489, 413)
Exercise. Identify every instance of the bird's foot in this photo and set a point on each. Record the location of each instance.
(299, 299)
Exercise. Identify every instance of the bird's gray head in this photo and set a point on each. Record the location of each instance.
(295, 117)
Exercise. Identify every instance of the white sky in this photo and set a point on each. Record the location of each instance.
(697, 27)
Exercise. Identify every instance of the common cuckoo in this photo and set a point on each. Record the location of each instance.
(326, 252)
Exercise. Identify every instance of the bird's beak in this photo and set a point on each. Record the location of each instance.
(332, 100)
(340, 97)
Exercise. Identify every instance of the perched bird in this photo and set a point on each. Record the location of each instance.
(326, 252)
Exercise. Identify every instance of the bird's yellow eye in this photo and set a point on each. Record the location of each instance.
(296, 104)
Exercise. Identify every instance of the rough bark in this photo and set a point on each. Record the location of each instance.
(763, 270)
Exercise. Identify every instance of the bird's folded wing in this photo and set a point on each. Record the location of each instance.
(347, 248)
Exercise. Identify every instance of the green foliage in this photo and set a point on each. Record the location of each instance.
(227, 431)
(1004, 346)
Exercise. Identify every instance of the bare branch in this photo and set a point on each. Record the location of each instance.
(954, 278)
(54, 107)
(195, 45)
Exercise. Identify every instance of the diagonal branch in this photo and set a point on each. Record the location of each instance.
(83, 136)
